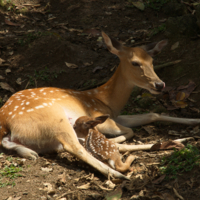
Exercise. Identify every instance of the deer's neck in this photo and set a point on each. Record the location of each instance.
(116, 92)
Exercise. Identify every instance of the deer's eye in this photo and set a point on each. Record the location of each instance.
(135, 64)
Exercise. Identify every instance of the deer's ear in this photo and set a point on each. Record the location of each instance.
(92, 123)
(101, 119)
(113, 45)
(155, 48)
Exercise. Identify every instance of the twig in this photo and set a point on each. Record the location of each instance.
(177, 194)
(166, 64)
(180, 77)
(27, 84)
(66, 193)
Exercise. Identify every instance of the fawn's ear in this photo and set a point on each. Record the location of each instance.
(113, 45)
(101, 119)
(98, 120)
(155, 48)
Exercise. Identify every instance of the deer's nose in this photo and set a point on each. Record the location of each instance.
(160, 85)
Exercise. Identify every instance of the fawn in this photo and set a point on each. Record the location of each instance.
(98, 145)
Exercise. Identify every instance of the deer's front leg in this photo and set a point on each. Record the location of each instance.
(113, 129)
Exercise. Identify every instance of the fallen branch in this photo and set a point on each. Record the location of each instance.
(166, 64)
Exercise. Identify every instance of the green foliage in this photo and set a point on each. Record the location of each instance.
(44, 75)
(157, 30)
(11, 171)
(180, 161)
(30, 37)
(6, 184)
(155, 4)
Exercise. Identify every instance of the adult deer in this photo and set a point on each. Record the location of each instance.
(40, 120)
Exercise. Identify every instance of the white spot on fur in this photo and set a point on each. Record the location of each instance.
(41, 90)
(23, 108)
(44, 93)
(38, 107)
(51, 91)
(22, 104)
(45, 104)
(30, 110)
(10, 113)
(20, 113)
(27, 103)
(13, 116)
(50, 104)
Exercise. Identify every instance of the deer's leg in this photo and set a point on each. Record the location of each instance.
(123, 167)
(70, 143)
(20, 149)
(138, 120)
(111, 128)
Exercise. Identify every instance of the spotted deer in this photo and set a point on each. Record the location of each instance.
(98, 145)
(41, 120)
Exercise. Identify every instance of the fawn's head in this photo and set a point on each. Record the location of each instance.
(137, 63)
(84, 123)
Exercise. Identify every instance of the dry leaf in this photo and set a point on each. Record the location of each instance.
(177, 194)
(139, 5)
(2, 61)
(11, 23)
(19, 81)
(71, 65)
(84, 187)
(97, 68)
(92, 32)
(179, 104)
(7, 71)
(46, 169)
(104, 188)
(110, 184)
(135, 196)
(188, 89)
(147, 95)
(88, 64)
(175, 46)
(180, 96)
(159, 180)
(172, 132)
(48, 188)
(167, 145)
(5, 86)
(62, 178)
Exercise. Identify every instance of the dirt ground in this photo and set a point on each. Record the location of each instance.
(38, 37)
